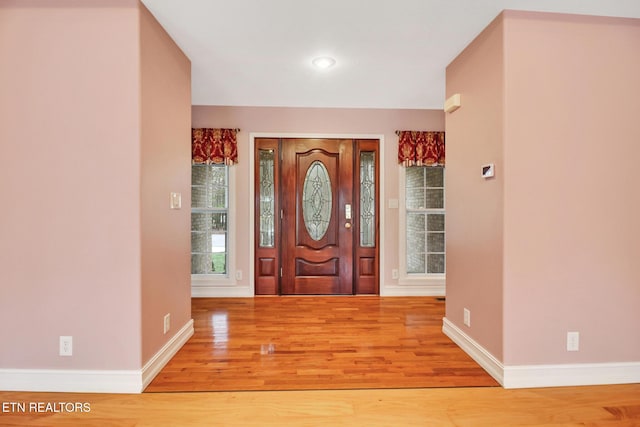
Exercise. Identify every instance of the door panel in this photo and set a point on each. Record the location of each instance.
(317, 238)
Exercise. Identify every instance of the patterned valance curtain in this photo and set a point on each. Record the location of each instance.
(214, 146)
(420, 148)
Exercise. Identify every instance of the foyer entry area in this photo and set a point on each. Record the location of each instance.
(318, 343)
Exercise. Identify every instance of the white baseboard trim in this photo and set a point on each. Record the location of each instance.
(71, 381)
(530, 376)
(93, 381)
(412, 290)
(162, 357)
(527, 376)
(213, 291)
(478, 353)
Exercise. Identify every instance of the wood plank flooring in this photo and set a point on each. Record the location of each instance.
(316, 343)
(604, 406)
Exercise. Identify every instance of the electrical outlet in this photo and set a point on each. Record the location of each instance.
(238, 274)
(167, 322)
(573, 341)
(66, 346)
(467, 317)
(394, 273)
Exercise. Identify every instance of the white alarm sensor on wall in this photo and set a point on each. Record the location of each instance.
(488, 171)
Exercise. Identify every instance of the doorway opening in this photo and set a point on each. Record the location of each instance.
(317, 216)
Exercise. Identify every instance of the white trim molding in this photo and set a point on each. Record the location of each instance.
(423, 287)
(162, 357)
(528, 376)
(221, 291)
(94, 381)
(71, 380)
(478, 353)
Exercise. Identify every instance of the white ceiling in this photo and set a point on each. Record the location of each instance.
(390, 53)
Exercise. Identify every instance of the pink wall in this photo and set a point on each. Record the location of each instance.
(69, 174)
(474, 205)
(94, 135)
(166, 168)
(320, 121)
(571, 200)
(562, 100)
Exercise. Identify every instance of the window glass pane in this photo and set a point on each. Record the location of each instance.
(435, 222)
(200, 242)
(208, 221)
(317, 200)
(414, 191)
(416, 242)
(219, 252)
(435, 199)
(267, 200)
(209, 186)
(415, 222)
(435, 242)
(434, 176)
(367, 199)
(414, 177)
(435, 263)
(208, 243)
(415, 262)
(201, 264)
(199, 174)
(213, 263)
(415, 198)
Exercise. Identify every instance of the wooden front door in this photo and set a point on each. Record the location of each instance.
(317, 216)
(317, 245)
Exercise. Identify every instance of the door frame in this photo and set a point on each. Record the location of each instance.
(252, 231)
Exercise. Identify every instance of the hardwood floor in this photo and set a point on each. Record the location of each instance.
(604, 406)
(228, 341)
(315, 343)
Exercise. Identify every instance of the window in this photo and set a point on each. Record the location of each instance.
(424, 209)
(209, 214)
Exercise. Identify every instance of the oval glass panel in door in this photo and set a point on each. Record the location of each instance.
(317, 200)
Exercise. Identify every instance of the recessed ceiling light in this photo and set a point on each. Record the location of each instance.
(323, 62)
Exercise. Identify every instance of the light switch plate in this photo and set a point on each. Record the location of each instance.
(176, 200)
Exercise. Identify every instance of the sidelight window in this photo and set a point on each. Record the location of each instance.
(368, 199)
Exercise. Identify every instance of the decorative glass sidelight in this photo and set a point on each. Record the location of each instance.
(317, 200)
(267, 198)
(367, 199)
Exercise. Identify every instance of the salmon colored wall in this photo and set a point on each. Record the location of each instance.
(474, 204)
(561, 95)
(572, 142)
(69, 175)
(318, 121)
(166, 168)
(94, 136)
